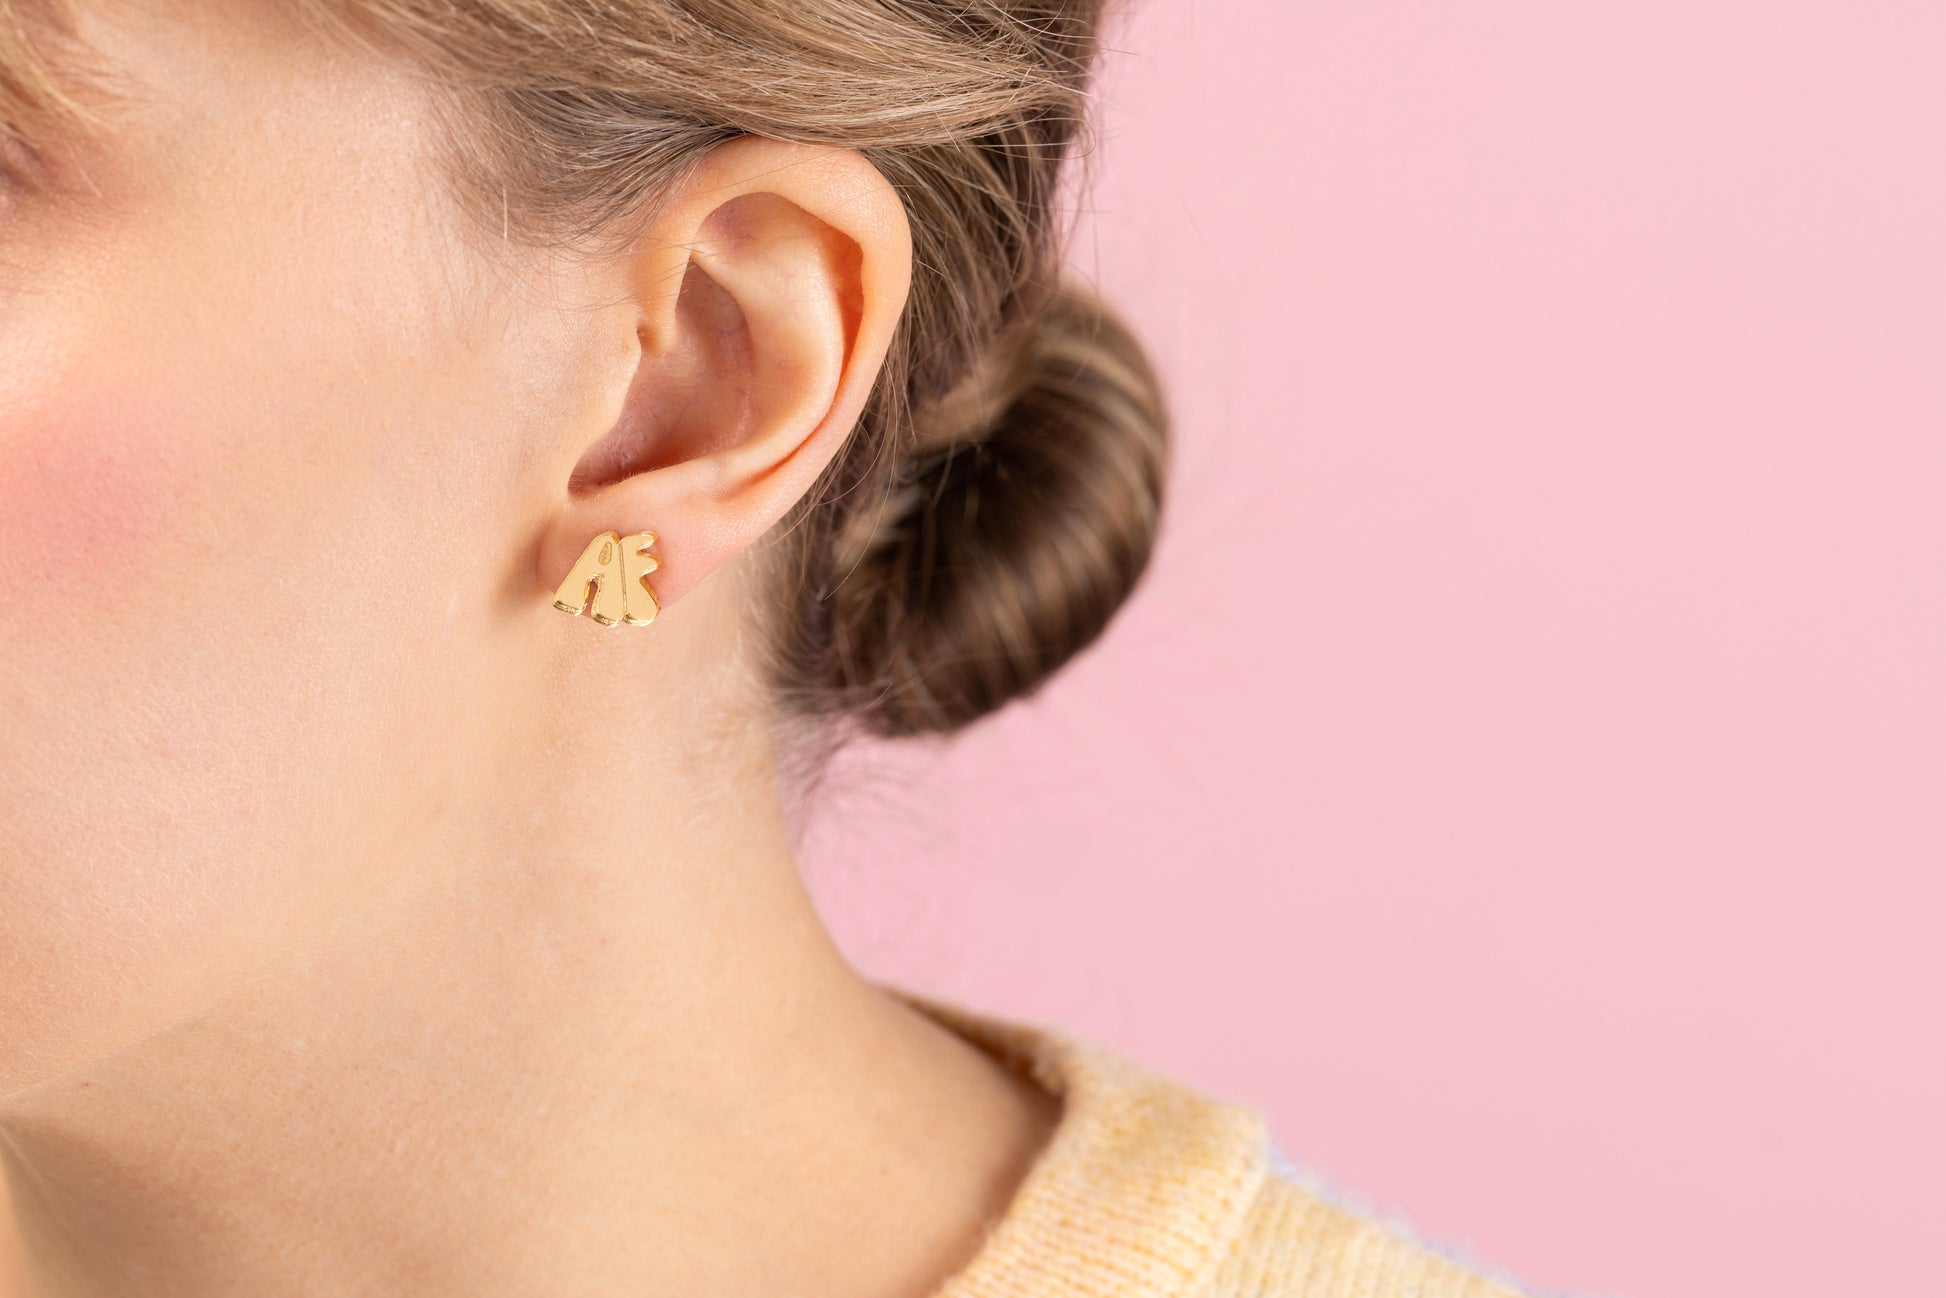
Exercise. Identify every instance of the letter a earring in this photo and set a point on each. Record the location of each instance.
(614, 570)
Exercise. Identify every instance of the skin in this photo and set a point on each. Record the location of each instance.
(367, 925)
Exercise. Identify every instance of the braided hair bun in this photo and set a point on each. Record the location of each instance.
(1014, 526)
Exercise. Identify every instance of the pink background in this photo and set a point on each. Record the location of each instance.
(1523, 774)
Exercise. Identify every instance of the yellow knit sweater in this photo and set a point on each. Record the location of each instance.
(1150, 1189)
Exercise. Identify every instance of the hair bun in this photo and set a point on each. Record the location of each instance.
(1017, 523)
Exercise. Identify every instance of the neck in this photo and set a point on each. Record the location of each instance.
(624, 1061)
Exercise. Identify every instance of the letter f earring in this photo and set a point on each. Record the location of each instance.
(614, 570)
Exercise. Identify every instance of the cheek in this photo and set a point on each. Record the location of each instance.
(98, 901)
(244, 450)
(143, 695)
(220, 635)
(90, 482)
(95, 478)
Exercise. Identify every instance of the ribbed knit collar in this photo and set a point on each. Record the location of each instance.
(1142, 1188)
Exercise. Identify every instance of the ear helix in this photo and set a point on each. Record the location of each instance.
(611, 579)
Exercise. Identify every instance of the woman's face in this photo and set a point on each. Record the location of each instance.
(264, 420)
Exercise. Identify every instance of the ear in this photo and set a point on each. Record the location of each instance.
(757, 307)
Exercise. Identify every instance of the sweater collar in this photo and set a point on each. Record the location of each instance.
(1141, 1189)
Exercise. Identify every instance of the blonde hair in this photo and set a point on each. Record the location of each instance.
(1000, 495)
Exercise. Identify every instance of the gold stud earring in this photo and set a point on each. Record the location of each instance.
(614, 570)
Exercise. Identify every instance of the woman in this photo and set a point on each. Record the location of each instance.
(462, 464)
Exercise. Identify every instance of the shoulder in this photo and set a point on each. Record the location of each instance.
(1300, 1241)
(1152, 1188)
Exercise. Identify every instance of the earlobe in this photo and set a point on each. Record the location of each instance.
(761, 299)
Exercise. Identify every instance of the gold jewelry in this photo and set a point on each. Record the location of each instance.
(608, 571)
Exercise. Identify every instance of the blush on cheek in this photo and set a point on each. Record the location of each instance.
(85, 483)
